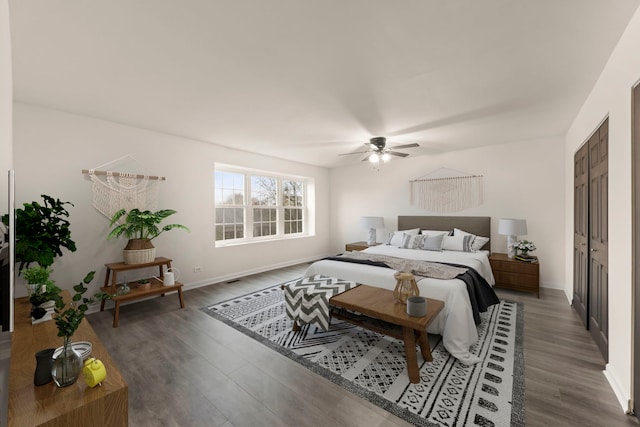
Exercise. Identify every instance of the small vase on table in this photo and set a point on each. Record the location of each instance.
(67, 366)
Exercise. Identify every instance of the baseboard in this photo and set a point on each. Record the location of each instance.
(239, 274)
(551, 285)
(622, 397)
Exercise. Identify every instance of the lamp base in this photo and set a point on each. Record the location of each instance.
(511, 242)
(371, 237)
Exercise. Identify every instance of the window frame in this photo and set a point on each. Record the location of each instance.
(248, 206)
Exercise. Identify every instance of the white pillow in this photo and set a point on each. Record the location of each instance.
(433, 243)
(396, 238)
(458, 243)
(412, 241)
(478, 241)
(435, 232)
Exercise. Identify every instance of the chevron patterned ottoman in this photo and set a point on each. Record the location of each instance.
(307, 299)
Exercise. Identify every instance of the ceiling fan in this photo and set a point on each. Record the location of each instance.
(378, 151)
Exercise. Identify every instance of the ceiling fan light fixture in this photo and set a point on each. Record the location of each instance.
(378, 152)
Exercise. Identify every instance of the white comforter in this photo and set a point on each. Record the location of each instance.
(455, 322)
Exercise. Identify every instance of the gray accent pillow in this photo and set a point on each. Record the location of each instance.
(433, 243)
(412, 241)
(396, 237)
(478, 241)
(436, 232)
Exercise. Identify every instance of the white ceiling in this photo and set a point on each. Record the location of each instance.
(306, 80)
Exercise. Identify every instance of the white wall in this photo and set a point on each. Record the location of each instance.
(611, 96)
(521, 180)
(6, 105)
(51, 148)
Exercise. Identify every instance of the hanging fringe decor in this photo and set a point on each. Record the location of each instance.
(113, 191)
(447, 194)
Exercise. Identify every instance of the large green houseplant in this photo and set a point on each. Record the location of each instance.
(42, 230)
(140, 227)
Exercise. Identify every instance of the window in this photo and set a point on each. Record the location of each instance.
(292, 200)
(254, 206)
(229, 206)
(264, 196)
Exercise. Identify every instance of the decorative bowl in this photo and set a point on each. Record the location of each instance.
(82, 347)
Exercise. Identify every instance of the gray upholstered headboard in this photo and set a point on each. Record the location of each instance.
(478, 225)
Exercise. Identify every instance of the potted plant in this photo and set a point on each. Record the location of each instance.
(66, 367)
(43, 294)
(140, 227)
(41, 232)
(523, 247)
(36, 276)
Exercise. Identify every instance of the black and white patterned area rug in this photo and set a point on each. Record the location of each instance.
(373, 366)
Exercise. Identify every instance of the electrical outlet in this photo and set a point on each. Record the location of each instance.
(197, 269)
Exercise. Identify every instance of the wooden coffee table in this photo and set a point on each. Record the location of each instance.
(379, 304)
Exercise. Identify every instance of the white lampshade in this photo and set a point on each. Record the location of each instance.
(372, 222)
(512, 228)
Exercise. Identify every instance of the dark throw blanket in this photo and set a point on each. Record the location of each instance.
(481, 294)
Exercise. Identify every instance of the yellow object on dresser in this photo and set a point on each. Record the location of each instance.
(94, 372)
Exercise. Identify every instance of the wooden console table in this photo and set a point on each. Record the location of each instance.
(105, 405)
(137, 290)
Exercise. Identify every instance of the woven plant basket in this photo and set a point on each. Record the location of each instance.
(139, 256)
(139, 251)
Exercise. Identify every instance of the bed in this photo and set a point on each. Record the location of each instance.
(456, 322)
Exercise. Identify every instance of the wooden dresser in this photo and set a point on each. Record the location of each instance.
(517, 275)
(105, 405)
(357, 246)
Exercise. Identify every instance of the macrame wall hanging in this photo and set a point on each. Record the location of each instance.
(114, 189)
(447, 190)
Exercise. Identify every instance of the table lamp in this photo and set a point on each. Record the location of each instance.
(372, 223)
(512, 228)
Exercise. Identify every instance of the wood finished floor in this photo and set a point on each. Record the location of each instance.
(185, 368)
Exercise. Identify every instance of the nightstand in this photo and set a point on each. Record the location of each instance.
(517, 275)
(358, 246)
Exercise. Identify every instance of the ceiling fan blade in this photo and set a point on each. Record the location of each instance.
(413, 145)
(355, 152)
(395, 153)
